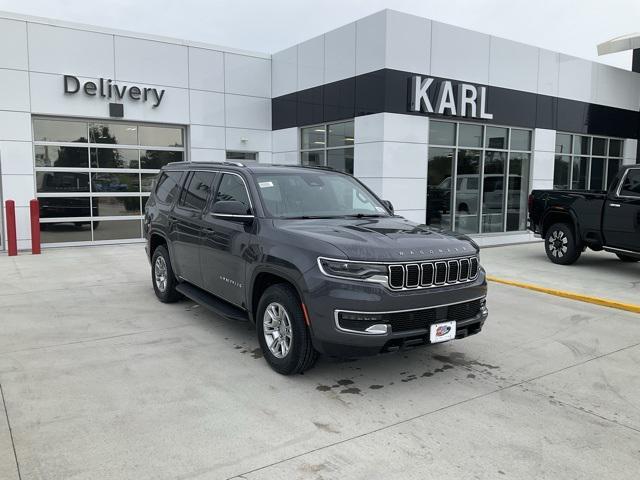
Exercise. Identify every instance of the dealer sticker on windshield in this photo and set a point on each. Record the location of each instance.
(442, 332)
(265, 184)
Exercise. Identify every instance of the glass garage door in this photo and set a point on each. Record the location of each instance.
(94, 178)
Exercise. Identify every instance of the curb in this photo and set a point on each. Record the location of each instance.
(604, 302)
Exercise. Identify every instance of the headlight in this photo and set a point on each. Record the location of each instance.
(353, 270)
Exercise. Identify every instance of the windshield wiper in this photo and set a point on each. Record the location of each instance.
(312, 217)
(366, 215)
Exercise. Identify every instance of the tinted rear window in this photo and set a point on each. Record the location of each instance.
(168, 186)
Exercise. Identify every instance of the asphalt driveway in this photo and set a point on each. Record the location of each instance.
(101, 381)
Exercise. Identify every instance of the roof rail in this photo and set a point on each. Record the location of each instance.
(235, 164)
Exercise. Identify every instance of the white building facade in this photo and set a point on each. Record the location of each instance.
(454, 127)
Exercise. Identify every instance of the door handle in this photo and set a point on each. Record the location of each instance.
(614, 205)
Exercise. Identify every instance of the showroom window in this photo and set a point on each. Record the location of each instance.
(93, 178)
(328, 145)
(586, 163)
(478, 177)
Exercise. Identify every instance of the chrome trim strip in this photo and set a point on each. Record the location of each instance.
(231, 215)
(619, 189)
(346, 330)
(457, 279)
(406, 275)
(620, 250)
(446, 272)
(433, 273)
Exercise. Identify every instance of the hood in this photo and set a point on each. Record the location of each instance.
(385, 239)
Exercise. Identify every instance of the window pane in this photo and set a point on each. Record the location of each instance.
(59, 131)
(231, 155)
(61, 182)
(467, 191)
(54, 156)
(597, 174)
(147, 180)
(160, 136)
(561, 172)
(115, 206)
(341, 159)
(232, 188)
(442, 133)
(470, 135)
(520, 139)
(579, 174)
(340, 134)
(114, 158)
(517, 196)
(599, 146)
(113, 133)
(313, 137)
(493, 191)
(116, 229)
(615, 148)
(168, 186)
(197, 190)
(439, 174)
(115, 182)
(64, 207)
(65, 232)
(313, 159)
(581, 145)
(497, 137)
(563, 143)
(631, 184)
(613, 167)
(156, 159)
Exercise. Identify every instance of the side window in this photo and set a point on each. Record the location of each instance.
(196, 190)
(232, 188)
(168, 186)
(631, 184)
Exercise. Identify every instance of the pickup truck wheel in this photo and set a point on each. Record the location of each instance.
(282, 332)
(627, 258)
(162, 276)
(560, 245)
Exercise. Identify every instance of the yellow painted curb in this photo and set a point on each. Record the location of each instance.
(629, 307)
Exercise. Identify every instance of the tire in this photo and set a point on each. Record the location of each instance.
(560, 244)
(162, 277)
(627, 258)
(279, 311)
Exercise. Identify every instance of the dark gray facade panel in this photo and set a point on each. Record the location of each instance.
(389, 91)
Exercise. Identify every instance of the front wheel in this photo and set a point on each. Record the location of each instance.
(282, 332)
(560, 244)
(627, 258)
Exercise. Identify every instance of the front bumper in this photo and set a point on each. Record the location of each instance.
(326, 297)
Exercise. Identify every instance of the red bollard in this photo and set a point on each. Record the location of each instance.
(12, 243)
(34, 206)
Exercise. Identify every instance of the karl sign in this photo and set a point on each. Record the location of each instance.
(106, 89)
(470, 101)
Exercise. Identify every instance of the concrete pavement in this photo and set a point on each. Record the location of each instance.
(103, 381)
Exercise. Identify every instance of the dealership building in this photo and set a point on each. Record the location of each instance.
(453, 126)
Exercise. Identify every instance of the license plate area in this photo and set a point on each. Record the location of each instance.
(442, 332)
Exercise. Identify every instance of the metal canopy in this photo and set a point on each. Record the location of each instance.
(620, 44)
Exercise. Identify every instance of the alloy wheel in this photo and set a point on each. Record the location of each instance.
(160, 273)
(558, 243)
(278, 333)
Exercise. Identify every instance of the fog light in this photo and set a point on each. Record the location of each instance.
(361, 317)
(483, 307)
(378, 329)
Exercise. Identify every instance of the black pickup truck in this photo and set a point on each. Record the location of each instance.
(571, 221)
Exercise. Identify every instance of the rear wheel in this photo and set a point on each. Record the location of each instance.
(560, 244)
(282, 332)
(164, 280)
(627, 258)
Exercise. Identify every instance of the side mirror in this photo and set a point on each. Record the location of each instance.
(389, 205)
(232, 210)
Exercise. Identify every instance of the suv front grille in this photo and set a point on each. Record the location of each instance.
(436, 273)
(421, 319)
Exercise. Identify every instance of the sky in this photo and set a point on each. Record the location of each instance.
(573, 27)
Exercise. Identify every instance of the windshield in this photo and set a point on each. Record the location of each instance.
(313, 194)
